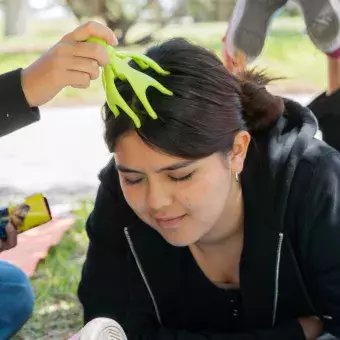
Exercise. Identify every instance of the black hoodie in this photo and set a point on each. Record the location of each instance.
(15, 112)
(290, 264)
(327, 111)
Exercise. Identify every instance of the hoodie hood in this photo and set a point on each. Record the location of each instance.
(267, 179)
(288, 140)
(274, 155)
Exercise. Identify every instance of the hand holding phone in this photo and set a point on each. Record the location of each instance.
(14, 220)
(11, 225)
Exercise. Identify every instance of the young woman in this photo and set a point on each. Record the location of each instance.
(218, 220)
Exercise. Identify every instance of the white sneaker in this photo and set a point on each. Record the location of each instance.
(102, 329)
(323, 23)
(248, 26)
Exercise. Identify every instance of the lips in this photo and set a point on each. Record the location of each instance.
(169, 222)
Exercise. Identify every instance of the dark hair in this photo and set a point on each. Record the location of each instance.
(209, 107)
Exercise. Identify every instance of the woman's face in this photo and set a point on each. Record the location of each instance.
(182, 200)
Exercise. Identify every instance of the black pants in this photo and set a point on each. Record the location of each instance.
(327, 111)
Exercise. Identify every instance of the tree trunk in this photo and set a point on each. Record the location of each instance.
(16, 16)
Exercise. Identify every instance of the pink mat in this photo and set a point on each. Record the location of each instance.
(33, 245)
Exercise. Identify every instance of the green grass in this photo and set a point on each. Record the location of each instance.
(293, 56)
(58, 314)
(287, 53)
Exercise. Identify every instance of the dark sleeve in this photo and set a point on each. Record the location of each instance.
(327, 111)
(15, 112)
(111, 285)
(323, 241)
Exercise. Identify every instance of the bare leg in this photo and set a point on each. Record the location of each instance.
(333, 75)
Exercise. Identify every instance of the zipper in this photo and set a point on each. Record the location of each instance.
(140, 268)
(277, 274)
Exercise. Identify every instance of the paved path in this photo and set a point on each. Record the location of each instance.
(61, 154)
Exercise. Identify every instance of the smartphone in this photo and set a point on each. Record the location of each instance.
(34, 211)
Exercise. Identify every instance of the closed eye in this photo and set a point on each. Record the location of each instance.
(129, 181)
(184, 178)
(132, 181)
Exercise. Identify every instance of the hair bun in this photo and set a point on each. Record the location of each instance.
(261, 109)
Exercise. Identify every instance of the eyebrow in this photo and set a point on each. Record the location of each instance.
(171, 167)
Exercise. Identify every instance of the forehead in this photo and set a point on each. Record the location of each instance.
(131, 150)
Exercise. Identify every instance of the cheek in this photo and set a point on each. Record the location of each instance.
(134, 196)
(205, 192)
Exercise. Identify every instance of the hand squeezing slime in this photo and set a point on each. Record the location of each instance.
(118, 67)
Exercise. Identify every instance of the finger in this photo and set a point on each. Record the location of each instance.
(91, 29)
(16, 221)
(23, 210)
(11, 236)
(76, 79)
(91, 51)
(87, 50)
(85, 65)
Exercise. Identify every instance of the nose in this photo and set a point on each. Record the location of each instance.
(158, 196)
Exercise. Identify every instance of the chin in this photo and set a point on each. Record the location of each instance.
(180, 240)
(178, 244)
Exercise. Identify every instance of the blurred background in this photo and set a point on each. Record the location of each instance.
(62, 154)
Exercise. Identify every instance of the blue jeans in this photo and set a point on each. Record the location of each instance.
(16, 299)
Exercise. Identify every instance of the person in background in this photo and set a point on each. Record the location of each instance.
(246, 34)
(70, 62)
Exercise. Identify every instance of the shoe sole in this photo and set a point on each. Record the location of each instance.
(102, 329)
(323, 23)
(249, 25)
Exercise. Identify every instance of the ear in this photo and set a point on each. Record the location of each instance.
(239, 151)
